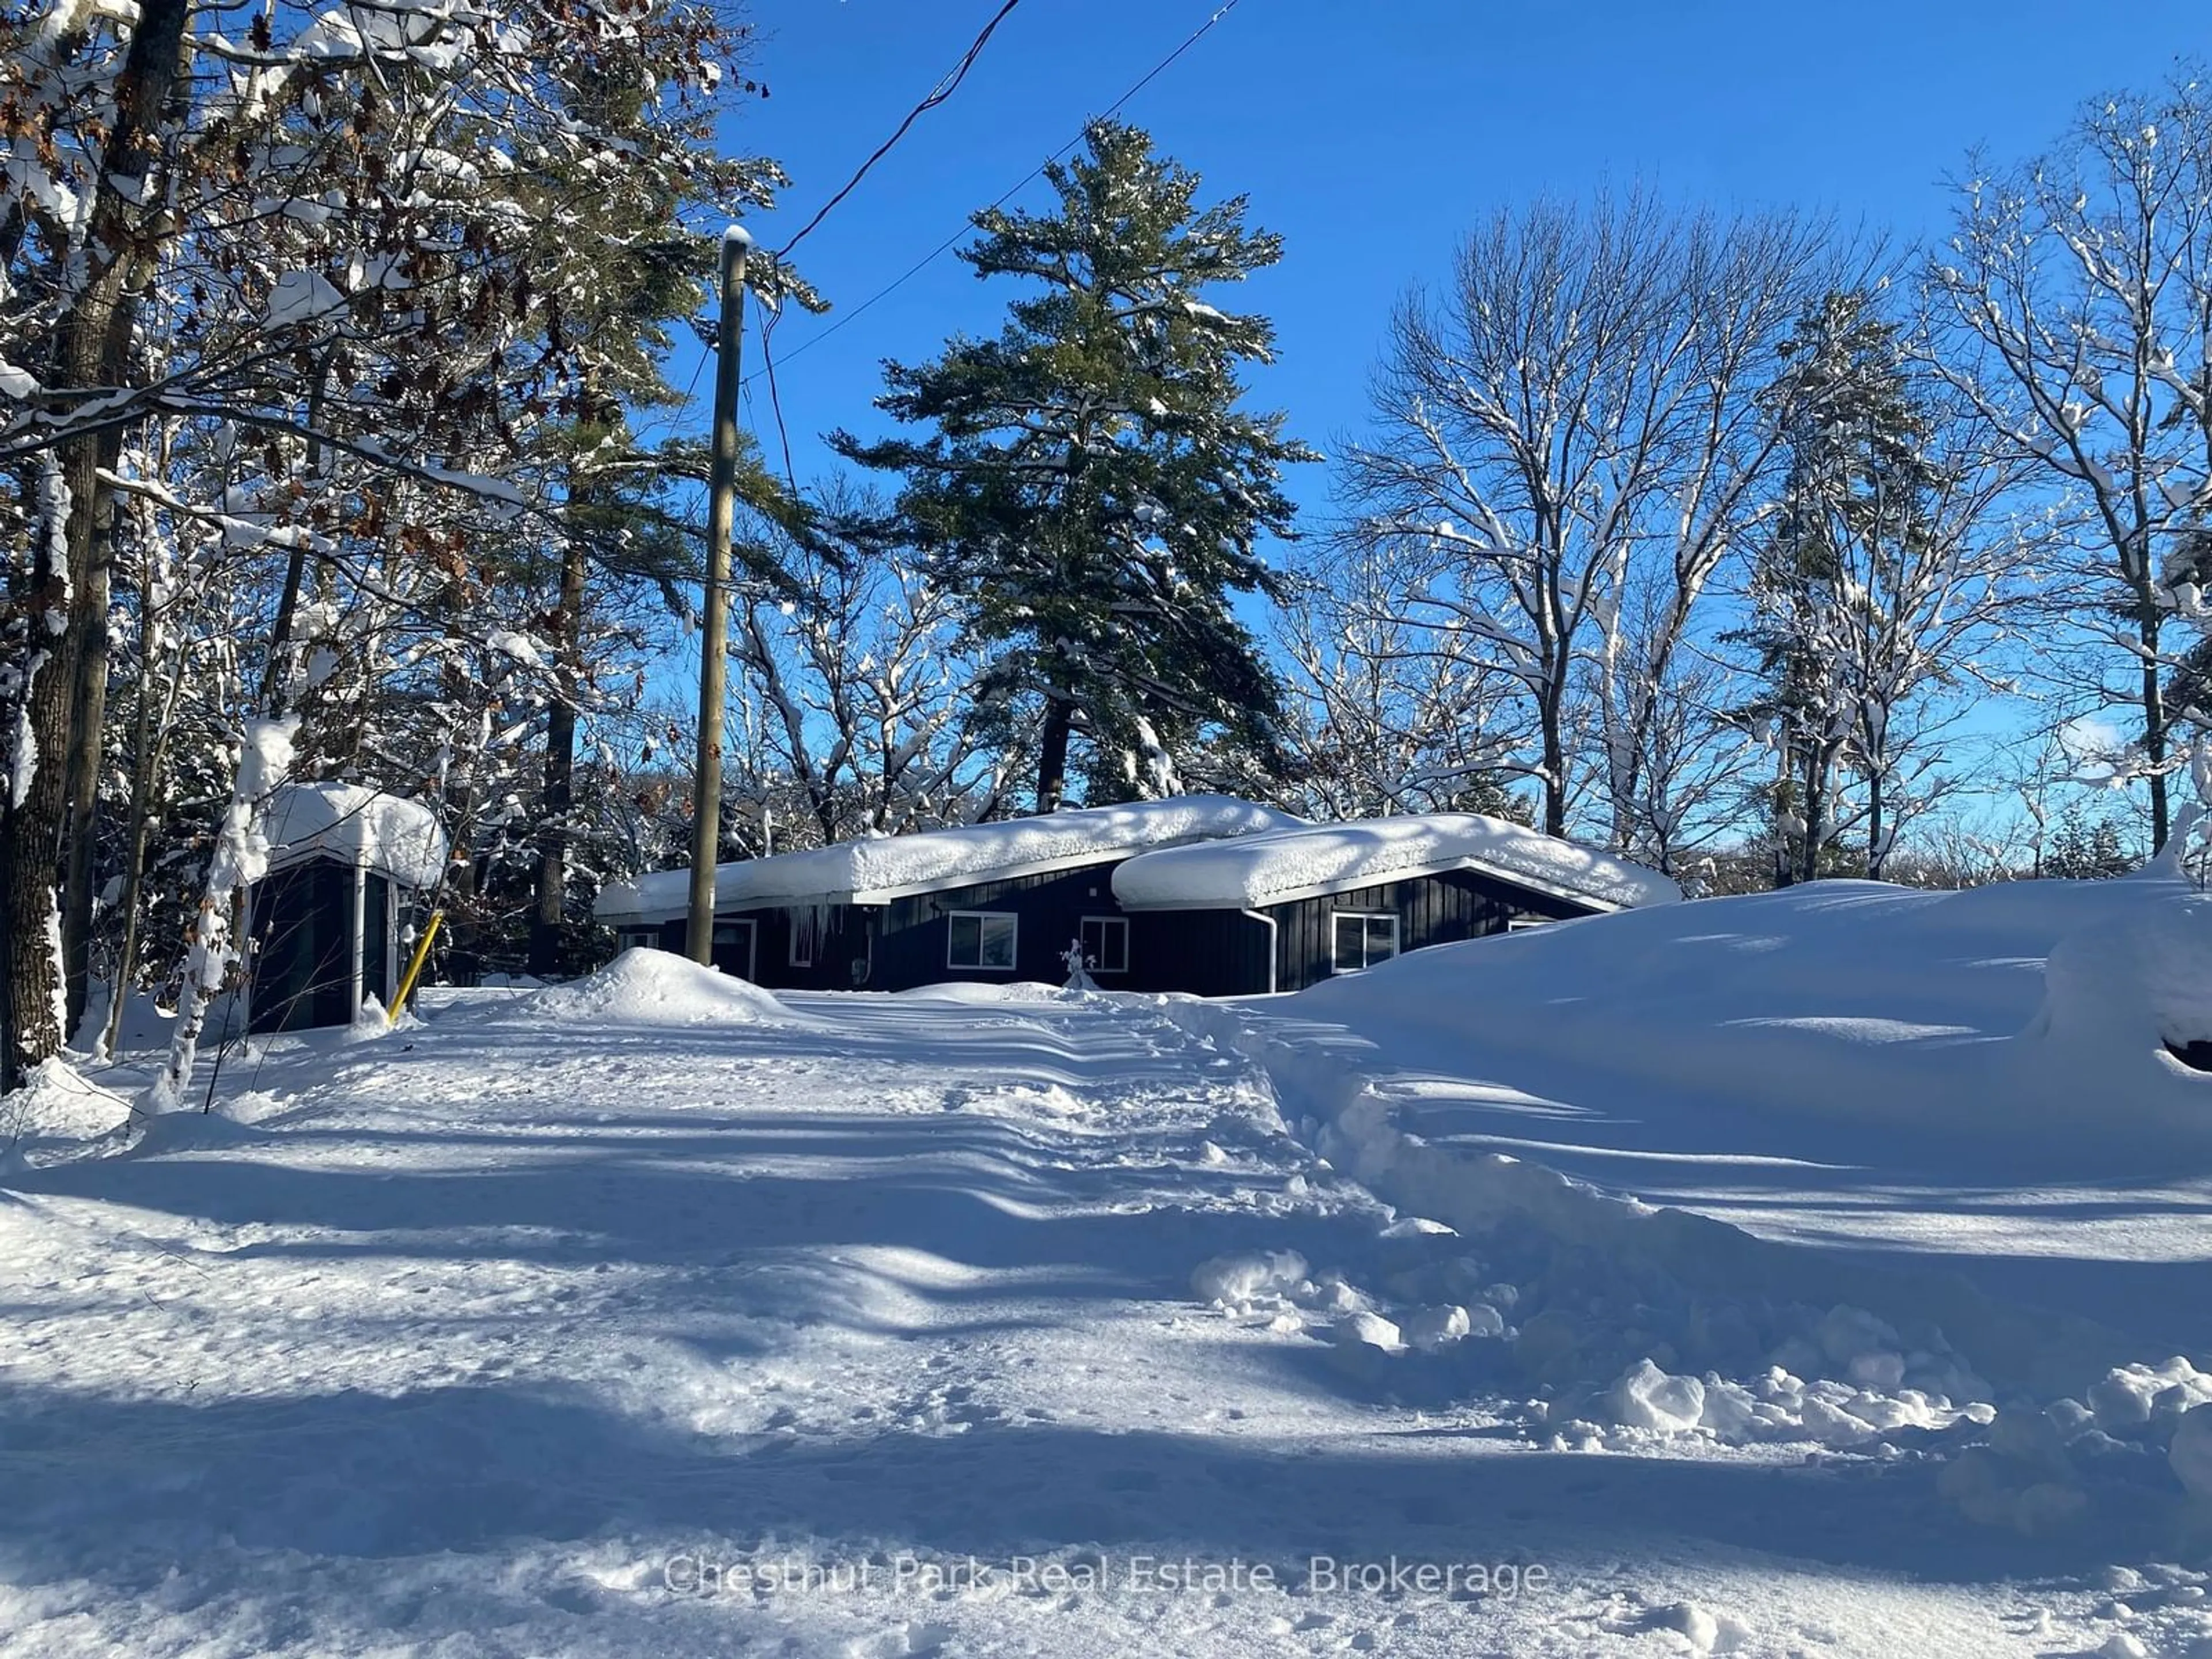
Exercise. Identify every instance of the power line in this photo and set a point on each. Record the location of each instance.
(775, 401)
(915, 269)
(944, 90)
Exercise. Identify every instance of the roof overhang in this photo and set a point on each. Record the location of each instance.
(1353, 882)
(950, 883)
(877, 896)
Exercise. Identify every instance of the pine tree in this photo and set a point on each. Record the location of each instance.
(1828, 584)
(2086, 849)
(1091, 484)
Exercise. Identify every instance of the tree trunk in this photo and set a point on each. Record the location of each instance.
(1876, 852)
(2154, 722)
(1819, 781)
(87, 749)
(1052, 756)
(548, 923)
(145, 768)
(1785, 791)
(31, 803)
(214, 943)
(91, 352)
(277, 676)
(1555, 760)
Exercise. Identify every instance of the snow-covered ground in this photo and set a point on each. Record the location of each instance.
(1816, 1274)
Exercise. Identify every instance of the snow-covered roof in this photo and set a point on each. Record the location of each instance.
(358, 826)
(1312, 860)
(886, 867)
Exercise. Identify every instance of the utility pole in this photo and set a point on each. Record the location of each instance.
(715, 630)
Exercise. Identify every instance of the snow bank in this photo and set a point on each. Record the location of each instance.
(2030, 1009)
(57, 1110)
(361, 826)
(875, 871)
(653, 988)
(2140, 1432)
(1284, 864)
(1810, 1054)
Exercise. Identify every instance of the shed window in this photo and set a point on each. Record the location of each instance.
(638, 939)
(981, 938)
(1364, 938)
(1106, 944)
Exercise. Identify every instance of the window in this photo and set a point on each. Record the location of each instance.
(638, 939)
(802, 938)
(981, 938)
(1364, 938)
(1106, 944)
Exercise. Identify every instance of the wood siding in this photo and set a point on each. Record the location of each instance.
(902, 945)
(912, 934)
(1440, 910)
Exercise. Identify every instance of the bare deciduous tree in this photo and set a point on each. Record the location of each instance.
(2079, 288)
(1391, 711)
(859, 696)
(1575, 422)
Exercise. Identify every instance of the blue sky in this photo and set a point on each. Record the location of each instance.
(1370, 136)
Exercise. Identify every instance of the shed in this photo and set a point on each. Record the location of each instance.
(348, 869)
(988, 902)
(1282, 909)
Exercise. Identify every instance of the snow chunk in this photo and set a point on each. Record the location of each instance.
(1369, 1330)
(301, 296)
(1437, 1327)
(359, 826)
(1238, 1282)
(1418, 1226)
(1645, 1397)
(1310, 859)
(2191, 1454)
(1706, 1631)
(518, 646)
(655, 988)
(876, 871)
(2129, 1397)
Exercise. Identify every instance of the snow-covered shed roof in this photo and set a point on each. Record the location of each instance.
(355, 825)
(886, 867)
(1313, 860)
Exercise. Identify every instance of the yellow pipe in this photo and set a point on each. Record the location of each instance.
(415, 968)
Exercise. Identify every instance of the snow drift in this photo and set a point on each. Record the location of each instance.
(56, 1108)
(1841, 1163)
(2045, 1012)
(654, 988)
